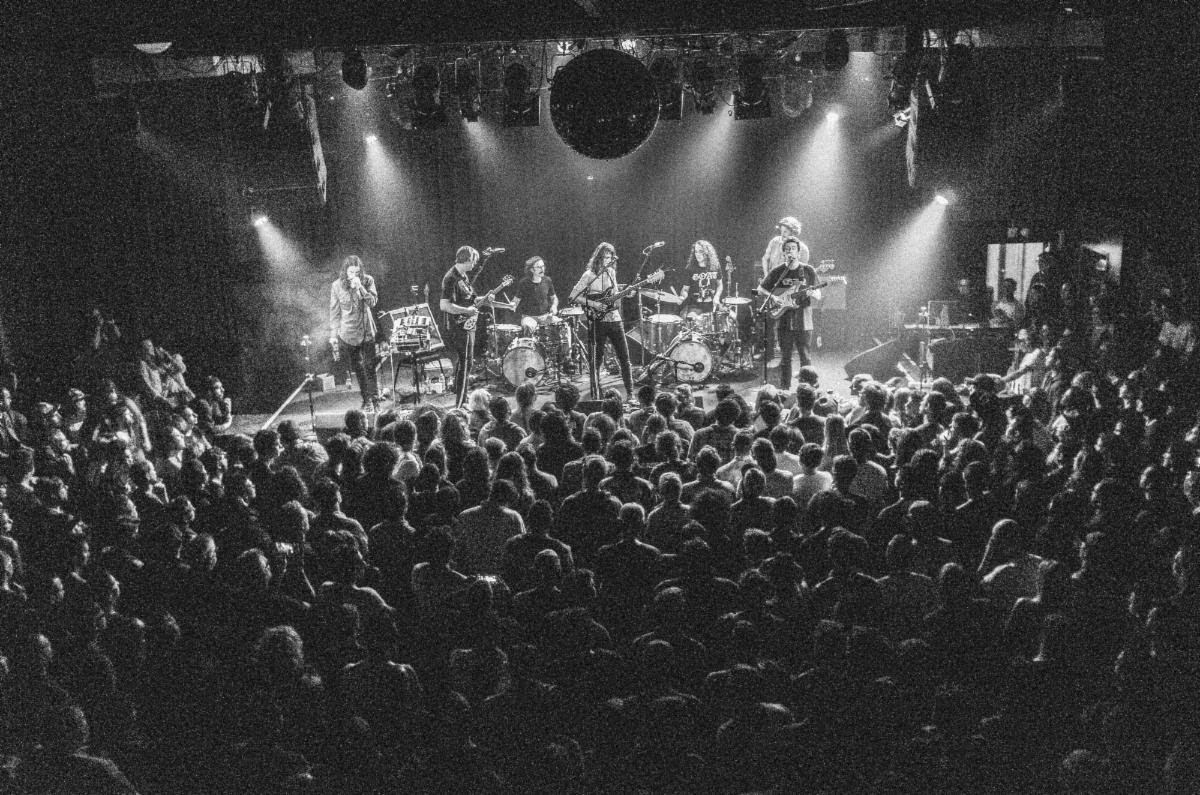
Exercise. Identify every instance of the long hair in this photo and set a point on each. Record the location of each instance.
(708, 260)
(532, 261)
(594, 262)
(348, 263)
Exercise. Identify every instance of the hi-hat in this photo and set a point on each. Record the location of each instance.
(570, 311)
(735, 301)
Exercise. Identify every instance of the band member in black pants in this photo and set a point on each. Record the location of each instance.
(598, 279)
(458, 301)
(352, 325)
(794, 325)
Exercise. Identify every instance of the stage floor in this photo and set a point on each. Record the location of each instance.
(329, 408)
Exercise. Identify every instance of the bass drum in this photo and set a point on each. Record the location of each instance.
(693, 361)
(525, 360)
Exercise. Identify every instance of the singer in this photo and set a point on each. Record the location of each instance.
(793, 326)
(352, 325)
(599, 280)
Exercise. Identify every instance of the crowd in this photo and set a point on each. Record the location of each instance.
(942, 589)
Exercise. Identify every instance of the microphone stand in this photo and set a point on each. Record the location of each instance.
(641, 321)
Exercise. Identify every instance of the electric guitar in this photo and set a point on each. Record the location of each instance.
(468, 321)
(608, 299)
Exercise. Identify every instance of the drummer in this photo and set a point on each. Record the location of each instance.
(706, 284)
(535, 300)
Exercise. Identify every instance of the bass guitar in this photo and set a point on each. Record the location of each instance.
(608, 299)
(468, 322)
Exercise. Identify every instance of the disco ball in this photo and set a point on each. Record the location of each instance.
(604, 103)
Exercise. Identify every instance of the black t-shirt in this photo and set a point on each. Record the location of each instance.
(535, 298)
(702, 288)
(780, 277)
(457, 290)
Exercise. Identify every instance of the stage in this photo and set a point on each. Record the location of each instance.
(329, 407)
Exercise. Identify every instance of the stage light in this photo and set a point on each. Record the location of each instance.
(521, 106)
(750, 101)
(259, 219)
(564, 48)
(629, 45)
(832, 116)
(153, 48)
(704, 87)
(354, 70)
(370, 138)
(945, 197)
(427, 110)
(670, 91)
(837, 51)
(466, 88)
(942, 200)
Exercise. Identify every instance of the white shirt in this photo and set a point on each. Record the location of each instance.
(805, 486)
(788, 462)
(732, 472)
(592, 285)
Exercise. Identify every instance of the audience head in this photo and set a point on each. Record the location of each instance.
(666, 404)
(566, 396)
(633, 520)
(764, 455)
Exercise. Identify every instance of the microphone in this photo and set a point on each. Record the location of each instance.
(490, 250)
(653, 246)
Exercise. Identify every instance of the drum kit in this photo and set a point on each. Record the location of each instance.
(692, 348)
(541, 349)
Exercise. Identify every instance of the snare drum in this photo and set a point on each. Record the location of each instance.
(555, 336)
(502, 335)
(693, 360)
(660, 330)
(524, 360)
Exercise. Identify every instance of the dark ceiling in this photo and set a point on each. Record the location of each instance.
(216, 26)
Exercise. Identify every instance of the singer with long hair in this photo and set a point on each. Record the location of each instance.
(599, 279)
(795, 324)
(352, 297)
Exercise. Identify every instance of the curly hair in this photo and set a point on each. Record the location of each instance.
(708, 261)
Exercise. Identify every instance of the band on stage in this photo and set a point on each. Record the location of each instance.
(691, 326)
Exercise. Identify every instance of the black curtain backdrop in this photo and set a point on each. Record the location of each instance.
(154, 228)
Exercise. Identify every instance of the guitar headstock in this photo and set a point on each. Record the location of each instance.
(826, 265)
(657, 276)
(507, 280)
(836, 279)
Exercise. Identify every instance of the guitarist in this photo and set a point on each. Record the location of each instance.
(793, 327)
(600, 279)
(458, 303)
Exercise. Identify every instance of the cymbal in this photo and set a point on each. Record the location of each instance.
(570, 311)
(735, 301)
(663, 296)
